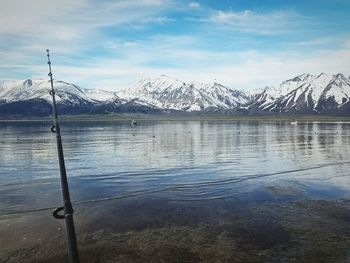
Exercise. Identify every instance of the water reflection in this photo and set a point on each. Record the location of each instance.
(114, 158)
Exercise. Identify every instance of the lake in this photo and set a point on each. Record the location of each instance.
(178, 191)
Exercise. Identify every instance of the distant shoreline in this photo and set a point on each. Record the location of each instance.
(146, 117)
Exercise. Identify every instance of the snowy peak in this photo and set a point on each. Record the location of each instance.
(225, 96)
(100, 95)
(28, 83)
(306, 93)
(147, 86)
(165, 82)
(38, 89)
(338, 90)
(170, 93)
(340, 80)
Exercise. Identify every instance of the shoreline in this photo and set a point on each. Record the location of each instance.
(146, 117)
(303, 230)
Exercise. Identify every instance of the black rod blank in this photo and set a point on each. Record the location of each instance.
(67, 205)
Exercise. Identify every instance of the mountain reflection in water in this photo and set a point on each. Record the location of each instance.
(160, 167)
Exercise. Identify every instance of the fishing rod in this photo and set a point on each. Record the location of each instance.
(67, 205)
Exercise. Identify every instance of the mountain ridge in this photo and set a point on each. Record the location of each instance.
(304, 94)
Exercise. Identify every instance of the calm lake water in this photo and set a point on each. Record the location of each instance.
(180, 162)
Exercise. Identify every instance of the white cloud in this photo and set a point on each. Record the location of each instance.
(69, 21)
(177, 56)
(265, 69)
(159, 20)
(242, 70)
(26, 17)
(70, 28)
(261, 23)
(194, 5)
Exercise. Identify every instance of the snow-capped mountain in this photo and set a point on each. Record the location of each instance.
(167, 93)
(307, 93)
(304, 94)
(32, 97)
(224, 96)
(12, 91)
(100, 95)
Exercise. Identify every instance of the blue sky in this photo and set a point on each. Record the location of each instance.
(245, 44)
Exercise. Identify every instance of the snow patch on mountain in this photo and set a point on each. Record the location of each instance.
(306, 92)
(100, 95)
(39, 89)
(169, 93)
(339, 89)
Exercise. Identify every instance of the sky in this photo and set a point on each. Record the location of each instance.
(105, 44)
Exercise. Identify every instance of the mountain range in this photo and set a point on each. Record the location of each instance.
(305, 94)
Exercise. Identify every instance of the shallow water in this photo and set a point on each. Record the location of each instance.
(163, 173)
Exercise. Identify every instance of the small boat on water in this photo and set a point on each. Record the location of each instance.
(294, 122)
(133, 122)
